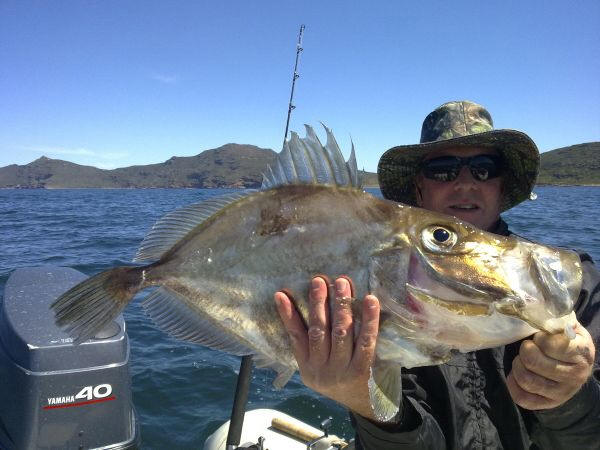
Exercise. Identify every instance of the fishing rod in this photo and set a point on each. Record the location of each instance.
(243, 383)
(294, 78)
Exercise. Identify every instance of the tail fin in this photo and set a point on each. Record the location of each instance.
(88, 307)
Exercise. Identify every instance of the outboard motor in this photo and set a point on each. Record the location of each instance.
(54, 394)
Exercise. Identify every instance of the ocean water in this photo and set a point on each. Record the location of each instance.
(183, 392)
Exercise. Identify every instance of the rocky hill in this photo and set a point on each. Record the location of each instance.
(576, 164)
(231, 165)
(241, 166)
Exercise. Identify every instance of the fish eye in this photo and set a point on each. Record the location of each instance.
(441, 235)
(439, 238)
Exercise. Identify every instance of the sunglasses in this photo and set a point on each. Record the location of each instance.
(447, 168)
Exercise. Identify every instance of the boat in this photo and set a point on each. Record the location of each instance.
(56, 394)
(274, 430)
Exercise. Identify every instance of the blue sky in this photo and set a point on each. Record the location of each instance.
(118, 83)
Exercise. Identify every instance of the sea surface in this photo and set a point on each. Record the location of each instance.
(183, 392)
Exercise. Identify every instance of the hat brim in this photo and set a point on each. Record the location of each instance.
(399, 165)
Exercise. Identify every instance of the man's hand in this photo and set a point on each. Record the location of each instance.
(331, 361)
(550, 369)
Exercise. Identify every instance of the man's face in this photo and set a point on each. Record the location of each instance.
(476, 202)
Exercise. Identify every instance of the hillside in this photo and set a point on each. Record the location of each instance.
(231, 165)
(236, 165)
(576, 164)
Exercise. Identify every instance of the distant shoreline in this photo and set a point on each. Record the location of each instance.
(241, 166)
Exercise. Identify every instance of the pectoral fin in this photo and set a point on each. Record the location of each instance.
(385, 390)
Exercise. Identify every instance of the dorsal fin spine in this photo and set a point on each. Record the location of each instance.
(307, 161)
(319, 158)
(322, 160)
(335, 154)
(350, 164)
(301, 157)
(287, 163)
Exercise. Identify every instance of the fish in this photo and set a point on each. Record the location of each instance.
(443, 285)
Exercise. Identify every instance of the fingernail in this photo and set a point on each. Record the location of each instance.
(340, 285)
(371, 302)
(315, 283)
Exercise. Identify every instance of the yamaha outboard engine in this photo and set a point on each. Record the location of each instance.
(54, 394)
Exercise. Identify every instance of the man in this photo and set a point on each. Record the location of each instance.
(543, 392)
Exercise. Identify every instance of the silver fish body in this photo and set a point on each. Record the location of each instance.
(443, 284)
(229, 268)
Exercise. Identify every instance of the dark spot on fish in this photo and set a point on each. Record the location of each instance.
(272, 222)
(376, 209)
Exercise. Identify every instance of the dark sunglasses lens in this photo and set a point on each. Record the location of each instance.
(445, 168)
(485, 167)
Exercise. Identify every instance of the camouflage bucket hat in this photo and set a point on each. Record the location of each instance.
(461, 124)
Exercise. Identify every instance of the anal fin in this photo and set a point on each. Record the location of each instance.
(170, 312)
(284, 372)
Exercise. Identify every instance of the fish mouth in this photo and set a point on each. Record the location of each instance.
(545, 287)
(553, 283)
(427, 285)
(463, 308)
(536, 284)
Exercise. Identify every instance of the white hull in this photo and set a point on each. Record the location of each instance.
(270, 424)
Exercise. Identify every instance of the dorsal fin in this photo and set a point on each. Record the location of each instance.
(301, 161)
(175, 225)
(307, 161)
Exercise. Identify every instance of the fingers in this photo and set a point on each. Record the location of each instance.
(532, 382)
(550, 369)
(560, 347)
(330, 360)
(319, 338)
(364, 353)
(293, 325)
(526, 399)
(330, 341)
(342, 328)
(559, 358)
(532, 358)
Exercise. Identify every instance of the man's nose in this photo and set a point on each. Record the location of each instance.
(465, 177)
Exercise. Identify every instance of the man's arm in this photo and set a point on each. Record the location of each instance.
(338, 366)
(329, 360)
(559, 379)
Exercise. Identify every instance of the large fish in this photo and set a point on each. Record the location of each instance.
(443, 284)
